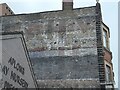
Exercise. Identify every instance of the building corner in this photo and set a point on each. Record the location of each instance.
(100, 46)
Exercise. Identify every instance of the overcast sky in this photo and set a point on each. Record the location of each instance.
(109, 13)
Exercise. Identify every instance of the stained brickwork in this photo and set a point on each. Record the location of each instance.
(56, 33)
(64, 45)
(69, 67)
(70, 84)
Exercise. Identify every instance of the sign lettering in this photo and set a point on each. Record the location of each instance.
(5, 70)
(16, 67)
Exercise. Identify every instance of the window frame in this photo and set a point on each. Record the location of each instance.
(106, 39)
(108, 73)
(111, 72)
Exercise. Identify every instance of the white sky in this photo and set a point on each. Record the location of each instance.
(109, 13)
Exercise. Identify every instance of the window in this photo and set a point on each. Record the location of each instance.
(108, 73)
(105, 38)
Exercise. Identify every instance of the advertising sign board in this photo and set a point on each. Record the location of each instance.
(15, 64)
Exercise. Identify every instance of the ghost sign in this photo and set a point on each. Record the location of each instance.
(16, 67)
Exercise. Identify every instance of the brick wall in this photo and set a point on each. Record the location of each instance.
(62, 44)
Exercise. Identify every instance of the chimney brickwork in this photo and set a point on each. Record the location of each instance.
(67, 5)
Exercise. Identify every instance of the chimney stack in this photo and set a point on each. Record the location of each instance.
(67, 5)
